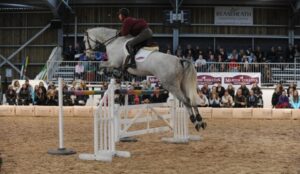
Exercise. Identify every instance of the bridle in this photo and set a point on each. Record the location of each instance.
(98, 45)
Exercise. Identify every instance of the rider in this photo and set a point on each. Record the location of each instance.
(135, 27)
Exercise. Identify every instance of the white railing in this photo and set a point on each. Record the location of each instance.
(271, 73)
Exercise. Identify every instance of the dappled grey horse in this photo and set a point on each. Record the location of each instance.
(178, 76)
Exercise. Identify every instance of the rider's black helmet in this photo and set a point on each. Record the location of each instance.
(124, 12)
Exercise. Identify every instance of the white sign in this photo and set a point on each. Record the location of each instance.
(236, 79)
(233, 15)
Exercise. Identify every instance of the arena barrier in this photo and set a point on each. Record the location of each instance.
(109, 126)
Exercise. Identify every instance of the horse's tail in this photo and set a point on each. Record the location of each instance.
(189, 82)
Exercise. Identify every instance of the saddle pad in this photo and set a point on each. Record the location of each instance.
(142, 54)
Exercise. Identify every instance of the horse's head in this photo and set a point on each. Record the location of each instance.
(95, 39)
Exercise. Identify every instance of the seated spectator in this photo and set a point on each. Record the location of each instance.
(213, 91)
(16, 86)
(283, 101)
(52, 97)
(203, 99)
(11, 95)
(272, 56)
(220, 90)
(35, 91)
(165, 94)
(189, 56)
(214, 101)
(291, 86)
(40, 97)
(252, 100)
(227, 100)
(50, 85)
(231, 90)
(24, 96)
(275, 96)
(30, 89)
(290, 92)
(205, 89)
(41, 85)
(240, 100)
(258, 93)
(79, 71)
(294, 100)
(245, 90)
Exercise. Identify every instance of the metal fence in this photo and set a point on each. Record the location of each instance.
(271, 73)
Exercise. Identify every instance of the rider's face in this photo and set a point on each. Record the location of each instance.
(120, 17)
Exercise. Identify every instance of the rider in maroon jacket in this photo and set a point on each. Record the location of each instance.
(138, 28)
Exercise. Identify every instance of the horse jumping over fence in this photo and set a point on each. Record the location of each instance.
(178, 76)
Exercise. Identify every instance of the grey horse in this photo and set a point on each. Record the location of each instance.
(178, 76)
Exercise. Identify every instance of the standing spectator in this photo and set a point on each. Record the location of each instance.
(220, 90)
(197, 52)
(223, 54)
(280, 55)
(200, 62)
(240, 100)
(179, 52)
(214, 101)
(252, 100)
(275, 96)
(283, 101)
(70, 53)
(11, 95)
(203, 99)
(227, 100)
(188, 51)
(79, 71)
(294, 100)
(24, 96)
(297, 51)
(272, 55)
(259, 54)
(189, 56)
(231, 90)
(290, 54)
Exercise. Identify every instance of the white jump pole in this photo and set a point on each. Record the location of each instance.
(61, 150)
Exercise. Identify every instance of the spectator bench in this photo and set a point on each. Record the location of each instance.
(207, 112)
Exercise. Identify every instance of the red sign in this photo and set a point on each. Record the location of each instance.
(210, 80)
(237, 80)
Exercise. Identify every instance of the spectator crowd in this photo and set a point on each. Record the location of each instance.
(218, 96)
(288, 98)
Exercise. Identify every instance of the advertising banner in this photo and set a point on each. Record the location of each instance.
(233, 15)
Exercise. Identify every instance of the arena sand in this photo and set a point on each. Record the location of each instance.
(229, 146)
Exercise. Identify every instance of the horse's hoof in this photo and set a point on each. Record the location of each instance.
(198, 126)
(203, 125)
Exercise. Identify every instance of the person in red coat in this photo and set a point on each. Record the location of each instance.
(138, 28)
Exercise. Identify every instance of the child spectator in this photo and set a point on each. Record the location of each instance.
(79, 70)
(11, 95)
(240, 99)
(203, 99)
(258, 93)
(283, 101)
(294, 100)
(227, 100)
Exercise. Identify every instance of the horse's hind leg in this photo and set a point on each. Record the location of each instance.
(196, 120)
(199, 122)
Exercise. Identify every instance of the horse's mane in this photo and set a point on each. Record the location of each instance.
(102, 33)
